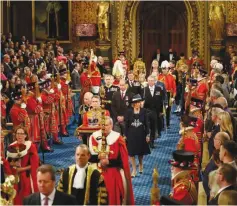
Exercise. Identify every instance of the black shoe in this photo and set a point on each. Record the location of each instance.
(58, 142)
(152, 145)
(65, 135)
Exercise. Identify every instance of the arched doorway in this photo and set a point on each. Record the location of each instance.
(163, 26)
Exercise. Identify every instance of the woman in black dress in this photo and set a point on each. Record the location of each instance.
(137, 133)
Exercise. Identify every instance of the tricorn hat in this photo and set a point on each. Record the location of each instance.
(16, 95)
(182, 159)
(189, 120)
(136, 98)
(203, 72)
(196, 102)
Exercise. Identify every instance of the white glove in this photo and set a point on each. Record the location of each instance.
(67, 82)
(39, 99)
(23, 105)
(172, 100)
(51, 91)
(59, 86)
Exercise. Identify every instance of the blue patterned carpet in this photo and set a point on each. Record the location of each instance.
(63, 156)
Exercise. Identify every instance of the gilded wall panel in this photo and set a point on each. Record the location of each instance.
(83, 12)
(231, 15)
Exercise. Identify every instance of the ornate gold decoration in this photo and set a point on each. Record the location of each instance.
(103, 20)
(128, 23)
(217, 21)
(155, 191)
(83, 12)
(8, 192)
(231, 15)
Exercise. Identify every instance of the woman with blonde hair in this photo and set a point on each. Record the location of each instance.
(225, 123)
(155, 68)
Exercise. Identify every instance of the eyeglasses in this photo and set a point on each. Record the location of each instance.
(20, 133)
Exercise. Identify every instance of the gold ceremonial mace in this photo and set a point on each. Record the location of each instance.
(155, 191)
(105, 148)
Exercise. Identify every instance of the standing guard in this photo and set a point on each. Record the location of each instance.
(48, 102)
(36, 115)
(170, 86)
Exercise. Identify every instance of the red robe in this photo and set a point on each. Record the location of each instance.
(66, 90)
(19, 116)
(112, 175)
(48, 102)
(201, 91)
(29, 156)
(184, 189)
(3, 108)
(35, 111)
(169, 82)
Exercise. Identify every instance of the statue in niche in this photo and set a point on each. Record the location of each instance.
(103, 20)
(217, 21)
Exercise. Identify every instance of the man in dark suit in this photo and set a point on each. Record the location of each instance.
(120, 103)
(158, 56)
(226, 180)
(153, 102)
(47, 194)
(76, 84)
(74, 179)
(6, 64)
(70, 62)
(133, 86)
(171, 55)
(101, 66)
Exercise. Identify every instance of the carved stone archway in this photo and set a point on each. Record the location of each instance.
(128, 27)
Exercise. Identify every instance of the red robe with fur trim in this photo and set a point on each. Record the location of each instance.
(116, 179)
(27, 179)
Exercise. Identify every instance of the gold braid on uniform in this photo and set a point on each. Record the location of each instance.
(102, 192)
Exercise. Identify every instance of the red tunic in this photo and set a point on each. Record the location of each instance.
(49, 111)
(112, 175)
(3, 109)
(28, 181)
(19, 116)
(169, 82)
(66, 90)
(184, 189)
(201, 91)
(35, 111)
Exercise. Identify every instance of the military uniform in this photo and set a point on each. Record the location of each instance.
(134, 87)
(170, 86)
(183, 187)
(106, 98)
(19, 115)
(48, 103)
